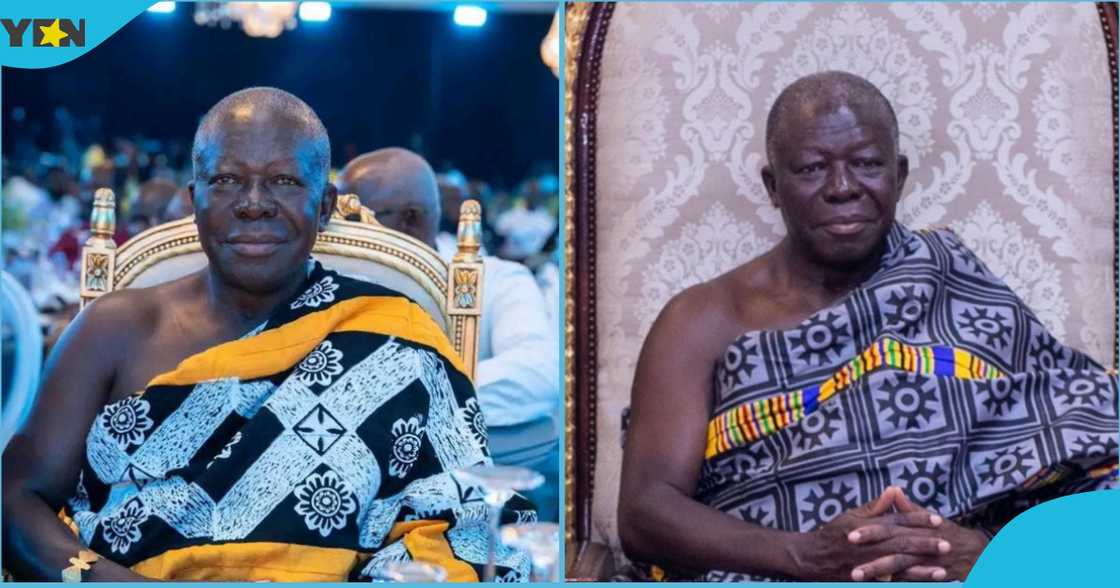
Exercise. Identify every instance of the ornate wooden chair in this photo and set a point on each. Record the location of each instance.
(1006, 111)
(450, 292)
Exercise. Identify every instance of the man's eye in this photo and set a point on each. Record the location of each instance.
(812, 167)
(286, 181)
(223, 180)
(868, 163)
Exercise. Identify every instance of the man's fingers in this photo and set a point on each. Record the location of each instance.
(883, 503)
(870, 534)
(903, 502)
(893, 542)
(888, 565)
(874, 532)
(922, 519)
(924, 574)
(918, 545)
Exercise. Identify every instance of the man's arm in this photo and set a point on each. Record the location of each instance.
(660, 522)
(521, 381)
(41, 463)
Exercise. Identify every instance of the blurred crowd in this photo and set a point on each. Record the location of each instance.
(50, 173)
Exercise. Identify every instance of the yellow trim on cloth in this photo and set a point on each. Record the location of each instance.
(278, 349)
(276, 562)
(426, 541)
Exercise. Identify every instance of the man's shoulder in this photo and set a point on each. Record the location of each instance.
(128, 308)
(703, 306)
(115, 320)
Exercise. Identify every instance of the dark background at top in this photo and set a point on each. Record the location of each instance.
(478, 99)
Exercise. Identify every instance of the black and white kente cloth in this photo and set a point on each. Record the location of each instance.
(319, 447)
(932, 376)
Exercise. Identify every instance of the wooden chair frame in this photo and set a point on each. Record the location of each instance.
(458, 284)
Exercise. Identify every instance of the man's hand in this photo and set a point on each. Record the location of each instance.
(912, 539)
(962, 547)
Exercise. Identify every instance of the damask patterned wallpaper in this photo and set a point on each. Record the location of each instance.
(1004, 112)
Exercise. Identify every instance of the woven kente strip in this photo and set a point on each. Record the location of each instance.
(754, 420)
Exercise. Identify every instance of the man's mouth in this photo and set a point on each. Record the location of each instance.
(255, 245)
(846, 226)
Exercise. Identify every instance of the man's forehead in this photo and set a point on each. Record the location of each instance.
(822, 111)
(862, 123)
(256, 142)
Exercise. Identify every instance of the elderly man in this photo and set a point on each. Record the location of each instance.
(862, 401)
(518, 375)
(262, 419)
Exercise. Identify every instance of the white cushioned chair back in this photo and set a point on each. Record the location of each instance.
(171, 268)
(1003, 109)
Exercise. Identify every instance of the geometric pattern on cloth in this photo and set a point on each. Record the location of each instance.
(333, 450)
(979, 446)
(752, 420)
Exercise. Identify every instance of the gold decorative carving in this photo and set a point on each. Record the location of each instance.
(470, 232)
(576, 15)
(103, 219)
(347, 205)
(97, 272)
(464, 283)
(466, 288)
(99, 251)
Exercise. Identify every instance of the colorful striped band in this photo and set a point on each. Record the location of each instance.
(753, 420)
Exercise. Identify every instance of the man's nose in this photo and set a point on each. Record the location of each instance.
(841, 186)
(255, 202)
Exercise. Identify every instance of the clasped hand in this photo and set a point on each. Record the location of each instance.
(890, 538)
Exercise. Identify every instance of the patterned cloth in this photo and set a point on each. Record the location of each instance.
(932, 376)
(317, 448)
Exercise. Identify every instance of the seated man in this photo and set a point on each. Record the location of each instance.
(862, 401)
(262, 419)
(518, 374)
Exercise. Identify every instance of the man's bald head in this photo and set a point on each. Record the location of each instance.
(400, 187)
(270, 106)
(261, 189)
(825, 92)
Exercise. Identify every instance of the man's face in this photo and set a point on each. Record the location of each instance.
(392, 207)
(836, 177)
(260, 199)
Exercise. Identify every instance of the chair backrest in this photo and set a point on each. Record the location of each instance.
(1006, 111)
(449, 292)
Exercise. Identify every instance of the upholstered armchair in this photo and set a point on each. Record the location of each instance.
(1007, 113)
(450, 292)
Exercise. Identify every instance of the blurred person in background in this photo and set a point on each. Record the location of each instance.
(518, 370)
(180, 206)
(151, 207)
(526, 227)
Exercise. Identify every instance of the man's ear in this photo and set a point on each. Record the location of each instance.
(190, 194)
(769, 182)
(903, 173)
(326, 205)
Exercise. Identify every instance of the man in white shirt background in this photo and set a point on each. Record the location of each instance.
(518, 379)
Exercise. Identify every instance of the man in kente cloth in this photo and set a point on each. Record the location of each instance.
(263, 419)
(863, 401)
